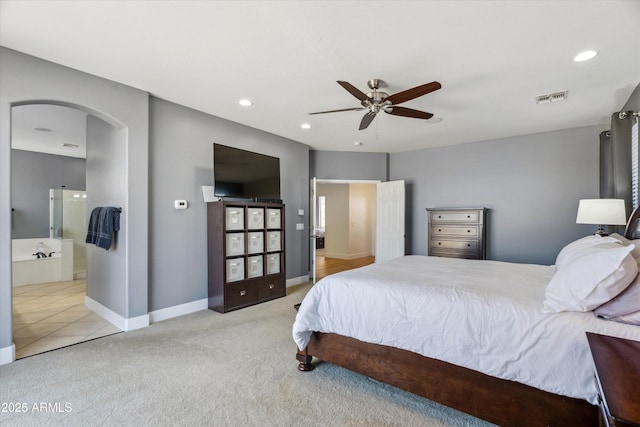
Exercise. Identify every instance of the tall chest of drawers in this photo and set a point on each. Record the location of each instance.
(457, 232)
(246, 254)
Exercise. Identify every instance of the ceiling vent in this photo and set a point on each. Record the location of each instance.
(552, 97)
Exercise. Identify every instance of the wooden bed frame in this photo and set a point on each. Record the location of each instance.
(503, 402)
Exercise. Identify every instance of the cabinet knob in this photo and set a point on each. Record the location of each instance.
(271, 286)
(439, 229)
(243, 293)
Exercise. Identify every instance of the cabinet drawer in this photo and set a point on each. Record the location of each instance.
(234, 218)
(274, 218)
(273, 241)
(254, 267)
(269, 289)
(255, 218)
(235, 244)
(452, 253)
(235, 269)
(256, 242)
(466, 245)
(455, 230)
(452, 216)
(239, 294)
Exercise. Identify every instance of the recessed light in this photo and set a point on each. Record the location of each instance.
(67, 145)
(585, 56)
(305, 126)
(43, 129)
(245, 103)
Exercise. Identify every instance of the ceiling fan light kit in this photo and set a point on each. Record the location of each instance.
(376, 101)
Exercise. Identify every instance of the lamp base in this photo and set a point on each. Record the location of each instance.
(601, 232)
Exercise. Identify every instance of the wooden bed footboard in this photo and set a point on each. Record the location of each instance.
(502, 402)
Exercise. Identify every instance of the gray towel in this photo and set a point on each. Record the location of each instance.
(103, 223)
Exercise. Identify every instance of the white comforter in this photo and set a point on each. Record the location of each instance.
(483, 315)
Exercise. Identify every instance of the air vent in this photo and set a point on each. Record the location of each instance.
(552, 97)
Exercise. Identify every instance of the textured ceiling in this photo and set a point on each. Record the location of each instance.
(491, 57)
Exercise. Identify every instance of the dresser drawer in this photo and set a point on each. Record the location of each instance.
(472, 231)
(453, 216)
(451, 253)
(466, 245)
(271, 288)
(240, 294)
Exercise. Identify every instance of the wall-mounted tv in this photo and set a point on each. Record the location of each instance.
(241, 174)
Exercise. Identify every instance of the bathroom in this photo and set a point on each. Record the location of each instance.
(49, 225)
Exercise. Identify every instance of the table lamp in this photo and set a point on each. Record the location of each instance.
(601, 212)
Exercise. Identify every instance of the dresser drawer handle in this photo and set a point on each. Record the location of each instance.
(439, 243)
(439, 216)
(439, 229)
(468, 216)
(468, 245)
(468, 231)
(272, 286)
(243, 293)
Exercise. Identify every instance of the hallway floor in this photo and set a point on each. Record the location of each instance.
(53, 315)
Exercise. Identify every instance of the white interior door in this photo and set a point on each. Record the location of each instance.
(313, 224)
(389, 220)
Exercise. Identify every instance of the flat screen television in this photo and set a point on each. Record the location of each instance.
(245, 175)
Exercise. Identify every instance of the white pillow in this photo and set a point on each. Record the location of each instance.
(574, 249)
(593, 277)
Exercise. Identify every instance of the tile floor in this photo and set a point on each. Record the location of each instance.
(52, 315)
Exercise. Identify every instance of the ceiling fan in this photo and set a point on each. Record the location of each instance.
(376, 101)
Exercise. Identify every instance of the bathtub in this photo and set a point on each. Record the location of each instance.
(28, 269)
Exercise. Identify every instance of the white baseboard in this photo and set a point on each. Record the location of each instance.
(8, 354)
(297, 280)
(122, 323)
(178, 310)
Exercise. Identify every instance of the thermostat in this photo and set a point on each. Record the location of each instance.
(180, 204)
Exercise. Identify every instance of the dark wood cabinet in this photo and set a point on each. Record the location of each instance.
(246, 253)
(457, 233)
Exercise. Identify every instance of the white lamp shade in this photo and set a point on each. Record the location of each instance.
(601, 212)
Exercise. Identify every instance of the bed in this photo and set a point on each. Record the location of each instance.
(489, 350)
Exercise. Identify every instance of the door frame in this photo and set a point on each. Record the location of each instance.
(314, 214)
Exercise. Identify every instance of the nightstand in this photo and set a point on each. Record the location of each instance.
(617, 364)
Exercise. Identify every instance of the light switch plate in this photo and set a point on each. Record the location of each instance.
(299, 226)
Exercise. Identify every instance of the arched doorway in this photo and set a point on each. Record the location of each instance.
(49, 156)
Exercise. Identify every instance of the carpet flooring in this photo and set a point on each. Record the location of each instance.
(205, 368)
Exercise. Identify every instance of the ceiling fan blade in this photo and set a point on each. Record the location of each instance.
(366, 120)
(408, 112)
(337, 111)
(409, 94)
(353, 90)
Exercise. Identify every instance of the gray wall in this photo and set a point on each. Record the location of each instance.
(107, 186)
(348, 165)
(181, 161)
(28, 80)
(32, 175)
(531, 184)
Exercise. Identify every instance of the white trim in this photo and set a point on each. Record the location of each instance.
(114, 318)
(297, 280)
(8, 354)
(178, 310)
